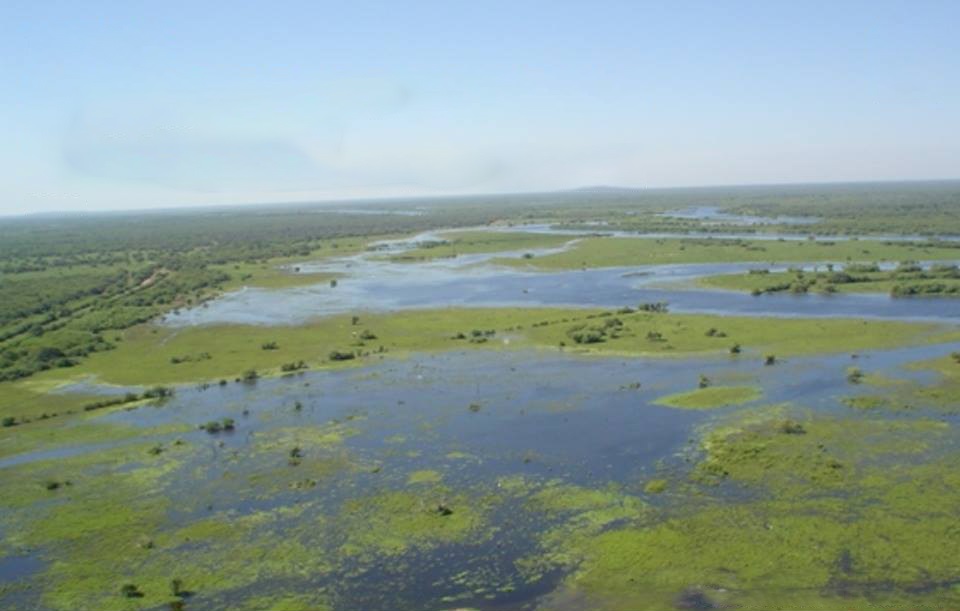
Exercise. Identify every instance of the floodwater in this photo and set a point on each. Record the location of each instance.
(472, 416)
(371, 282)
(589, 421)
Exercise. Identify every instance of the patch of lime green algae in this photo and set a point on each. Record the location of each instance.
(711, 397)
(394, 522)
(831, 513)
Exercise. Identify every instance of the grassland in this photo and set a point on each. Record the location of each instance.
(894, 283)
(711, 397)
(614, 251)
(146, 353)
(456, 243)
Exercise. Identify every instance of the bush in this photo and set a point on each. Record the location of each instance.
(337, 355)
(293, 366)
(130, 590)
(269, 346)
(8, 421)
(790, 427)
(367, 334)
(158, 392)
(659, 307)
(216, 426)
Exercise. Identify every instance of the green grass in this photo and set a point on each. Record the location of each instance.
(271, 273)
(144, 355)
(711, 397)
(611, 252)
(472, 242)
(878, 282)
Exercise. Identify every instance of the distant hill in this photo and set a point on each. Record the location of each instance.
(605, 190)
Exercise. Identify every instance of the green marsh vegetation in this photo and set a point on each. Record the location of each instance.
(202, 482)
(907, 280)
(594, 252)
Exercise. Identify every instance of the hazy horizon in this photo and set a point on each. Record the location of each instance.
(121, 107)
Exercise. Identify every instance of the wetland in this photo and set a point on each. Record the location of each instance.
(614, 401)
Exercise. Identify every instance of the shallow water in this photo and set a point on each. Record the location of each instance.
(473, 416)
(381, 286)
(714, 215)
(371, 282)
(541, 415)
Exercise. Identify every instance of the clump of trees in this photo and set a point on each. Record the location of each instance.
(611, 328)
(131, 590)
(659, 307)
(217, 426)
(293, 366)
(791, 427)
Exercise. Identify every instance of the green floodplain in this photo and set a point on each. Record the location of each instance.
(741, 398)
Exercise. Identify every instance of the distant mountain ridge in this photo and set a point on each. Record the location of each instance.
(604, 190)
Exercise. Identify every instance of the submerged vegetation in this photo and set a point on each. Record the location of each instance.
(477, 457)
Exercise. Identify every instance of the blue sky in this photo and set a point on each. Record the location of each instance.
(137, 104)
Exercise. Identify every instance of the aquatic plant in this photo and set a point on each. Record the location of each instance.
(791, 427)
(216, 426)
(655, 486)
(130, 590)
(157, 392)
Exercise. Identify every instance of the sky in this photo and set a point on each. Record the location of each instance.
(144, 104)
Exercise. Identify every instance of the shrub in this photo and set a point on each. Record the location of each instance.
(770, 359)
(8, 421)
(367, 334)
(791, 427)
(130, 590)
(269, 346)
(337, 355)
(158, 392)
(293, 366)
